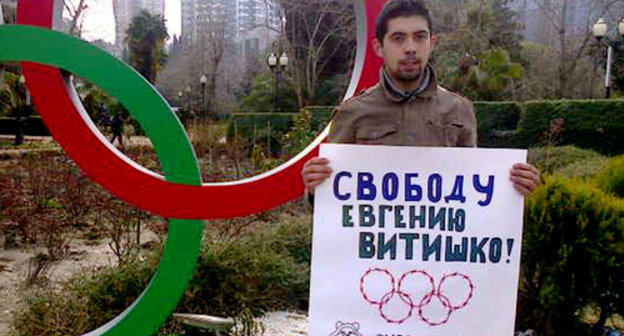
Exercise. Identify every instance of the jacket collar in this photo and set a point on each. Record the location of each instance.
(394, 94)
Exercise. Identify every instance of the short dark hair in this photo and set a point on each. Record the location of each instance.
(400, 8)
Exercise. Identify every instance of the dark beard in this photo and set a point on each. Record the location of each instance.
(409, 76)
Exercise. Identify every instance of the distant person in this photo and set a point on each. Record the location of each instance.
(105, 118)
(117, 124)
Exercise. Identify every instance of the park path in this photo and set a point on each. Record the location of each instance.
(133, 141)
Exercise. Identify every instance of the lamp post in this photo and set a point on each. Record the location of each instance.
(277, 65)
(599, 31)
(203, 80)
(188, 97)
(19, 131)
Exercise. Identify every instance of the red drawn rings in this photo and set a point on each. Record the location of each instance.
(416, 292)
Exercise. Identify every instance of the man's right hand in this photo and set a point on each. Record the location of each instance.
(314, 172)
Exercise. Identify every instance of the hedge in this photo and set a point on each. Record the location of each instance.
(497, 122)
(253, 126)
(589, 124)
(242, 124)
(32, 126)
(320, 115)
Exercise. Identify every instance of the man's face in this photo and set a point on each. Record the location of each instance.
(406, 48)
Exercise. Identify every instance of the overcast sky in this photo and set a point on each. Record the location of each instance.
(99, 22)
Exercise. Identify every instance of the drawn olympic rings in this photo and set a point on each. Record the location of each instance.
(416, 294)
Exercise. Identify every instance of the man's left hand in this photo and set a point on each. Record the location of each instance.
(525, 178)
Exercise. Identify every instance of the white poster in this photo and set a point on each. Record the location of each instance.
(416, 241)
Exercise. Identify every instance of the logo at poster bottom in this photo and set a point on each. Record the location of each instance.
(415, 294)
(346, 329)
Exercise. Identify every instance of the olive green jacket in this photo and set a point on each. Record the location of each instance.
(382, 116)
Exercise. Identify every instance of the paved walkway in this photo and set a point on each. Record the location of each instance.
(133, 141)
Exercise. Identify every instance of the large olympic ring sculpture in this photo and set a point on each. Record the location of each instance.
(180, 194)
(406, 296)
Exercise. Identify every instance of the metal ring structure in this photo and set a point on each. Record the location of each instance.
(179, 195)
(145, 189)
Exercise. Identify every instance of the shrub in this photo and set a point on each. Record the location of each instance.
(264, 269)
(592, 124)
(573, 256)
(33, 125)
(568, 161)
(87, 301)
(611, 178)
(320, 116)
(495, 121)
(300, 135)
(254, 126)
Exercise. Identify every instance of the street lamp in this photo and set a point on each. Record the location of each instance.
(599, 30)
(277, 65)
(19, 131)
(188, 97)
(203, 80)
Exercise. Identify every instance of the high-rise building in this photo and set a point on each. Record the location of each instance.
(189, 31)
(238, 16)
(252, 14)
(125, 10)
(8, 10)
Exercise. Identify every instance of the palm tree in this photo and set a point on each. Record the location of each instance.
(490, 77)
(146, 38)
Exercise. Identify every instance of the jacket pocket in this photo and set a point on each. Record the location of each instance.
(374, 134)
(449, 132)
(452, 132)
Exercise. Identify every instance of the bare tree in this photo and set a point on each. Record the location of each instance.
(76, 13)
(317, 33)
(211, 45)
(213, 55)
(570, 37)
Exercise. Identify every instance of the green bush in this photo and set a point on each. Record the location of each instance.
(250, 125)
(611, 178)
(267, 268)
(573, 256)
(568, 161)
(262, 95)
(33, 125)
(591, 124)
(320, 116)
(495, 122)
(85, 302)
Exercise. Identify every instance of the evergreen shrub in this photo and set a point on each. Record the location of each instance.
(573, 256)
(496, 122)
(33, 125)
(568, 161)
(590, 124)
(85, 302)
(248, 125)
(320, 116)
(264, 269)
(611, 178)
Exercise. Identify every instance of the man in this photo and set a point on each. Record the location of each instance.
(117, 124)
(407, 107)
